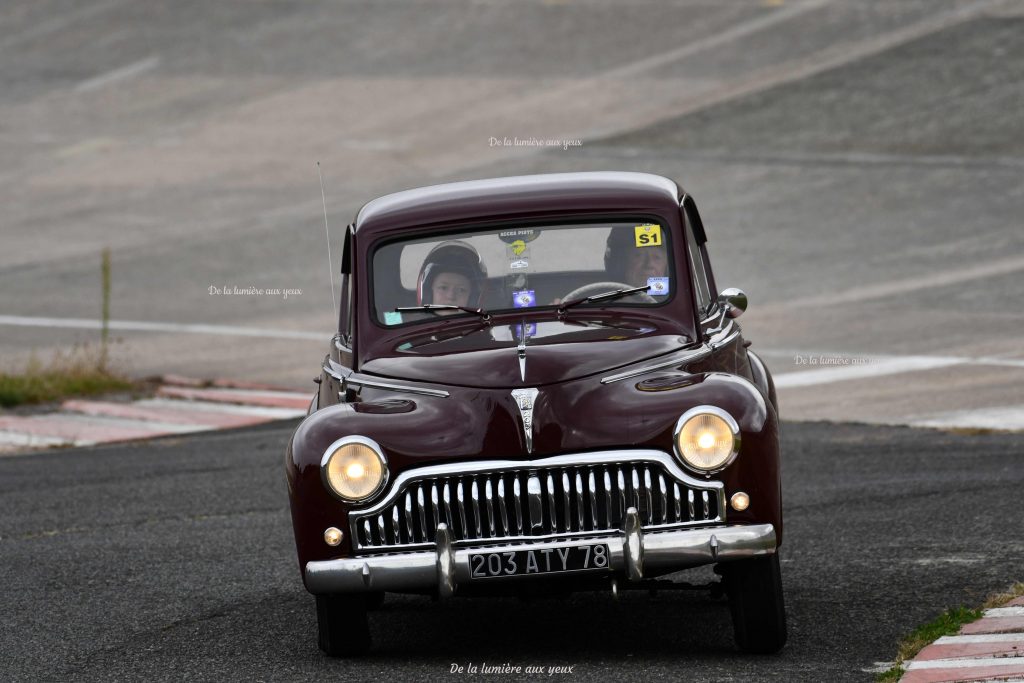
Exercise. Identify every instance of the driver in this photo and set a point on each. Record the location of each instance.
(454, 274)
(625, 262)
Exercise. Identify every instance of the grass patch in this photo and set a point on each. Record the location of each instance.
(1000, 599)
(82, 371)
(946, 624)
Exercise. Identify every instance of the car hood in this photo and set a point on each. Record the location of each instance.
(505, 356)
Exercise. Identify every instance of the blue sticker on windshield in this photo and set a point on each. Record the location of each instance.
(657, 286)
(531, 330)
(392, 317)
(524, 298)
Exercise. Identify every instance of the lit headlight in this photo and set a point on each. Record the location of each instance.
(707, 438)
(354, 468)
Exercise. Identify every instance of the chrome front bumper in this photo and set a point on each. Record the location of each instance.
(633, 554)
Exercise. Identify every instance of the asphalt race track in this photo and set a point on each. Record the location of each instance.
(858, 165)
(173, 560)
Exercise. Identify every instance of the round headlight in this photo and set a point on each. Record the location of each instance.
(707, 438)
(354, 468)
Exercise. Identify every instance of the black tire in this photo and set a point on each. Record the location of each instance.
(374, 601)
(343, 629)
(755, 599)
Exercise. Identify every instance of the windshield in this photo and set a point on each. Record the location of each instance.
(512, 269)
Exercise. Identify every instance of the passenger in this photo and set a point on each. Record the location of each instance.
(454, 274)
(632, 265)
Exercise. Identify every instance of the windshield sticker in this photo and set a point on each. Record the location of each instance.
(519, 264)
(531, 331)
(657, 286)
(518, 247)
(648, 235)
(392, 317)
(524, 298)
(520, 235)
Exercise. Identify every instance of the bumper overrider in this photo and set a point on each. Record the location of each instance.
(632, 553)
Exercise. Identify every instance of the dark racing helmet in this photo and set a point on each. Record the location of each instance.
(453, 256)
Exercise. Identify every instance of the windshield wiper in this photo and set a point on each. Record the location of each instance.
(484, 315)
(602, 297)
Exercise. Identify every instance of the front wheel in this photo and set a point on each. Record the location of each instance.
(343, 629)
(755, 599)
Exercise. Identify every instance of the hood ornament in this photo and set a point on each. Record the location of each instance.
(523, 331)
(521, 350)
(524, 399)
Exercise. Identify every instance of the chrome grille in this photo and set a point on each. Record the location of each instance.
(563, 495)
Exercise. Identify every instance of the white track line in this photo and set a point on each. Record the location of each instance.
(119, 74)
(1000, 417)
(230, 408)
(870, 365)
(128, 423)
(8, 438)
(886, 289)
(1005, 612)
(986, 638)
(890, 366)
(144, 326)
(59, 22)
(965, 663)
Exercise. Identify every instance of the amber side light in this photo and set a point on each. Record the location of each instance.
(333, 536)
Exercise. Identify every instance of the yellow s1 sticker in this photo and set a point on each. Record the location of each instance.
(518, 247)
(648, 235)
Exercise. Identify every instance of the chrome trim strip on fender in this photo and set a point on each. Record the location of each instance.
(695, 355)
(386, 386)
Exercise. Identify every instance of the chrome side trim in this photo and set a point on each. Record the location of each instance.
(631, 554)
(387, 386)
(695, 355)
(732, 331)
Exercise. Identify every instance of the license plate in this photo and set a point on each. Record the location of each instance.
(574, 558)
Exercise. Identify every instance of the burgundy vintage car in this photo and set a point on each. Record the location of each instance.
(536, 386)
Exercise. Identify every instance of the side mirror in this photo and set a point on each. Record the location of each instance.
(733, 301)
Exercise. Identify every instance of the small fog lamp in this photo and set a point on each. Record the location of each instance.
(333, 536)
(354, 468)
(739, 501)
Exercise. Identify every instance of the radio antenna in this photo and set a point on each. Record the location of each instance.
(327, 232)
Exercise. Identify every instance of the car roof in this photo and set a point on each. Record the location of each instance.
(519, 197)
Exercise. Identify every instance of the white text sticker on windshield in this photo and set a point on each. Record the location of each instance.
(392, 317)
(647, 235)
(657, 286)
